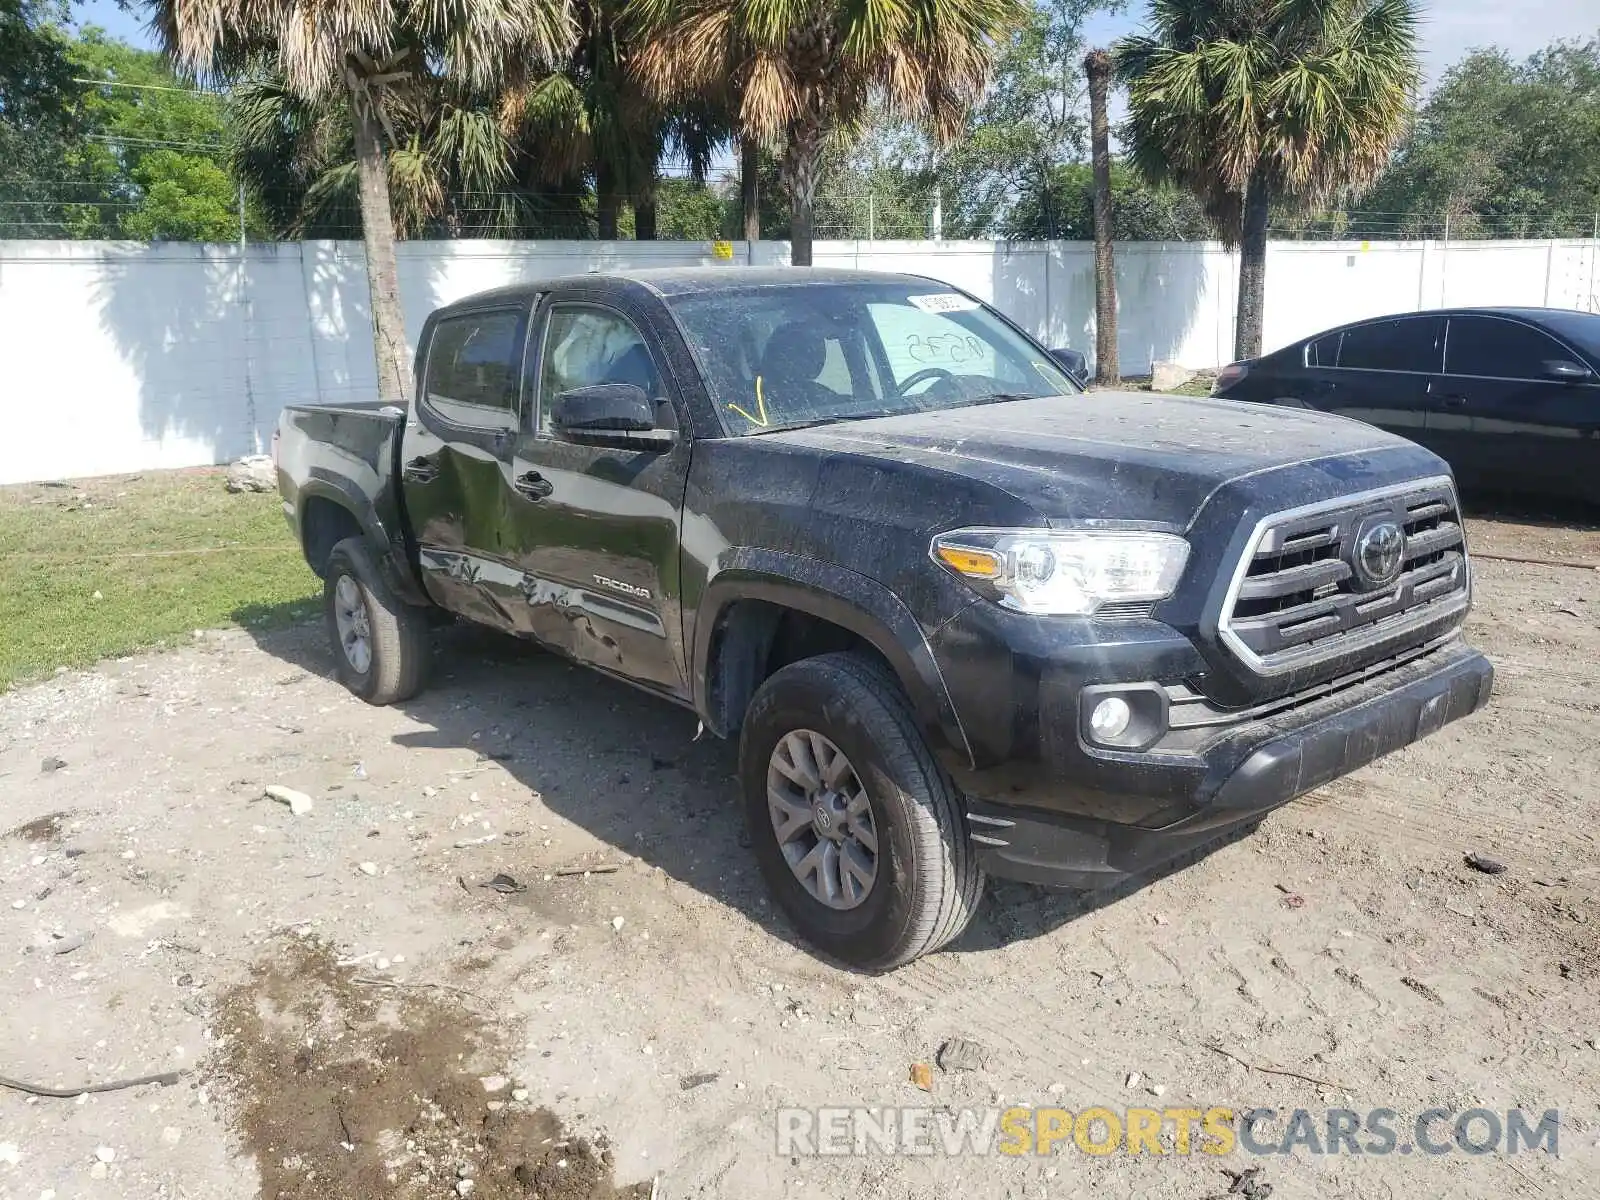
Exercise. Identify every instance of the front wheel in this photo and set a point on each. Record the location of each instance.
(857, 829)
(380, 643)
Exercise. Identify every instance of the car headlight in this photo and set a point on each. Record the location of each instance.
(1064, 573)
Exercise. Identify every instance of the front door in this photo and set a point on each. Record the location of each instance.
(596, 529)
(456, 455)
(1504, 422)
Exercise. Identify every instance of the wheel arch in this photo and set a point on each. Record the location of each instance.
(740, 622)
(330, 509)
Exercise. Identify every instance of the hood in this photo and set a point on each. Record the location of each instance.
(1115, 456)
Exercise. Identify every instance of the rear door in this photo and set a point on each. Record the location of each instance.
(1303, 375)
(595, 530)
(1381, 373)
(456, 457)
(1503, 421)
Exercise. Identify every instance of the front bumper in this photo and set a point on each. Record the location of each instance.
(1246, 772)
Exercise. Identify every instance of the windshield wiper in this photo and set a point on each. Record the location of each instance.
(1005, 397)
(811, 424)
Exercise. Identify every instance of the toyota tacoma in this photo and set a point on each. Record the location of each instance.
(963, 617)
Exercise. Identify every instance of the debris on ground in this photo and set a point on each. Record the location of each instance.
(922, 1076)
(958, 1054)
(299, 803)
(66, 944)
(1421, 989)
(51, 765)
(1489, 866)
(1248, 1183)
(689, 1082)
(163, 1079)
(41, 829)
(252, 473)
(504, 884)
(324, 1076)
(1294, 900)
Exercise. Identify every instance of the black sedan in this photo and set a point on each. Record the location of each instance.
(1510, 397)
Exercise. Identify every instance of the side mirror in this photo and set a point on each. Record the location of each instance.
(1565, 371)
(1074, 363)
(610, 414)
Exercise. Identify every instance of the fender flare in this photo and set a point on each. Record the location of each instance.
(846, 598)
(388, 546)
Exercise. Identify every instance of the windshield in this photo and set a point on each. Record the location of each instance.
(808, 353)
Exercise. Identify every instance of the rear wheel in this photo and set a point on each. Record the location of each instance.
(857, 829)
(380, 643)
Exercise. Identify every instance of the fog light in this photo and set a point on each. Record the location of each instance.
(1109, 719)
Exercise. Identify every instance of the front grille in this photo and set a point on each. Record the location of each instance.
(1302, 596)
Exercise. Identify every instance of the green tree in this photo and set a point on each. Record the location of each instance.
(692, 212)
(372, 56)
(38, 127)
(1140, 212)
(155, 149)
(1505, 148)
(803, 70)
(1248, 103)
(593, 120)
(1029, 120)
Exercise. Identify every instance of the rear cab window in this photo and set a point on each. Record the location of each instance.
(474, 369)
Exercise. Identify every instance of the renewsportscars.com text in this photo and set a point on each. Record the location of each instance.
(1215, 1130)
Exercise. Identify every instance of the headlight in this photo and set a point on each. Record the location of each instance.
(1067, 573)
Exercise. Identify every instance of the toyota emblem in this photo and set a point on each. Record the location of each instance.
(1380, 553)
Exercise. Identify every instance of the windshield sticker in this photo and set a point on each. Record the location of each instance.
(943, 302)
(762, 421)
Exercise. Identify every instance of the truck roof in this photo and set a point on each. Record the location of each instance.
(677, 281)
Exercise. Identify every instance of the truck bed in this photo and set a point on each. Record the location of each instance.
(344, 454)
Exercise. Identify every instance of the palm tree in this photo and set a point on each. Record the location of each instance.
(450, 165)
(1107, 373)
(593, 118)
(375, 55)
(801, 70)
(1248, 103)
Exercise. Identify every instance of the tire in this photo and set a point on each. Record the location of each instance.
(927, 884)
(396, 663)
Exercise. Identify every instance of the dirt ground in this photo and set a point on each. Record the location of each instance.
(356, 1015)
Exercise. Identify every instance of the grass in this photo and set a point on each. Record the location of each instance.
(106, 566)
(1200, 385)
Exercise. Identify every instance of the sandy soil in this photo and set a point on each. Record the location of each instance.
(357, 1016)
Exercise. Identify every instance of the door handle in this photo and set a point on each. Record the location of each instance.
(533, 485)
(420, 470)
(1452, 401)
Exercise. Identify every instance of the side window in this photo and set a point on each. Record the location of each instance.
(914, 340)
(1488, 346)
(474, 368)
(586, 346)
(1324, 352)
(1403, 344)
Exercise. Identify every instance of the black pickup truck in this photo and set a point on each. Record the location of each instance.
(962, 616)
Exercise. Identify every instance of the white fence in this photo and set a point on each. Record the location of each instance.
(124, 357)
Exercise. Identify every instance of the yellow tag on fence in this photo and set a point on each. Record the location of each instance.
(722, 250)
